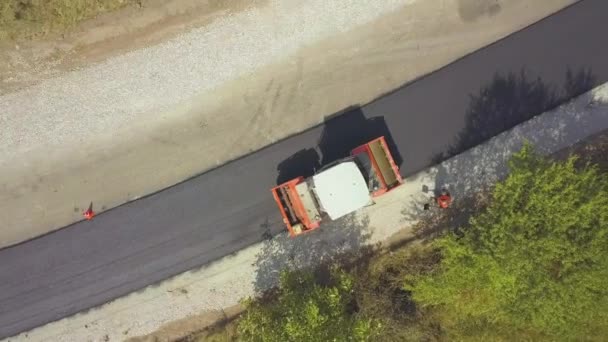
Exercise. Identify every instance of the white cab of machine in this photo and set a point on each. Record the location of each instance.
(341, 189)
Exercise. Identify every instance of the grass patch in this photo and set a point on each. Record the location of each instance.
(29, 19)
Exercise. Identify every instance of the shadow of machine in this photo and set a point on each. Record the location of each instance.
(302, 163)
(341, 133)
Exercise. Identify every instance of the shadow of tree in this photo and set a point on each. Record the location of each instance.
(320, 247)
(434, 222)
(476, 169)
(510, 100)
(505, 103)
(593, 150)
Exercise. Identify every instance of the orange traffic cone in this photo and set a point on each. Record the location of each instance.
(89, 214)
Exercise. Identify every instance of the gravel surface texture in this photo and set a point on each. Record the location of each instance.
(148, 82)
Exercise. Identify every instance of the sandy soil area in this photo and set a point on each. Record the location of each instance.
(45, 189)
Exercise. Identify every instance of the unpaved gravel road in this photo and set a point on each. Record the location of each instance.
(148, 119)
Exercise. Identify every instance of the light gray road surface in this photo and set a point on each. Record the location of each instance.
(226, 209)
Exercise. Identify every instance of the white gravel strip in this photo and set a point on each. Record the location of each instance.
(148, 82)
(223, 283)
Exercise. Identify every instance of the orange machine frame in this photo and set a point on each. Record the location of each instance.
(365, 149)
(298, 207)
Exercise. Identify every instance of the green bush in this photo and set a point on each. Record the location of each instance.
(305, 310)
(535, 262)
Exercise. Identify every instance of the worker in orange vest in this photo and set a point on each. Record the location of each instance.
(89, 214)
(445, 199)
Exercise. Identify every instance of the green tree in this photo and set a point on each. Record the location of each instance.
(536, 261)
(305, 310)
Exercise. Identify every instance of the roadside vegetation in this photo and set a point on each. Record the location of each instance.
(535, 262)
(29, 19)
(532, 264)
